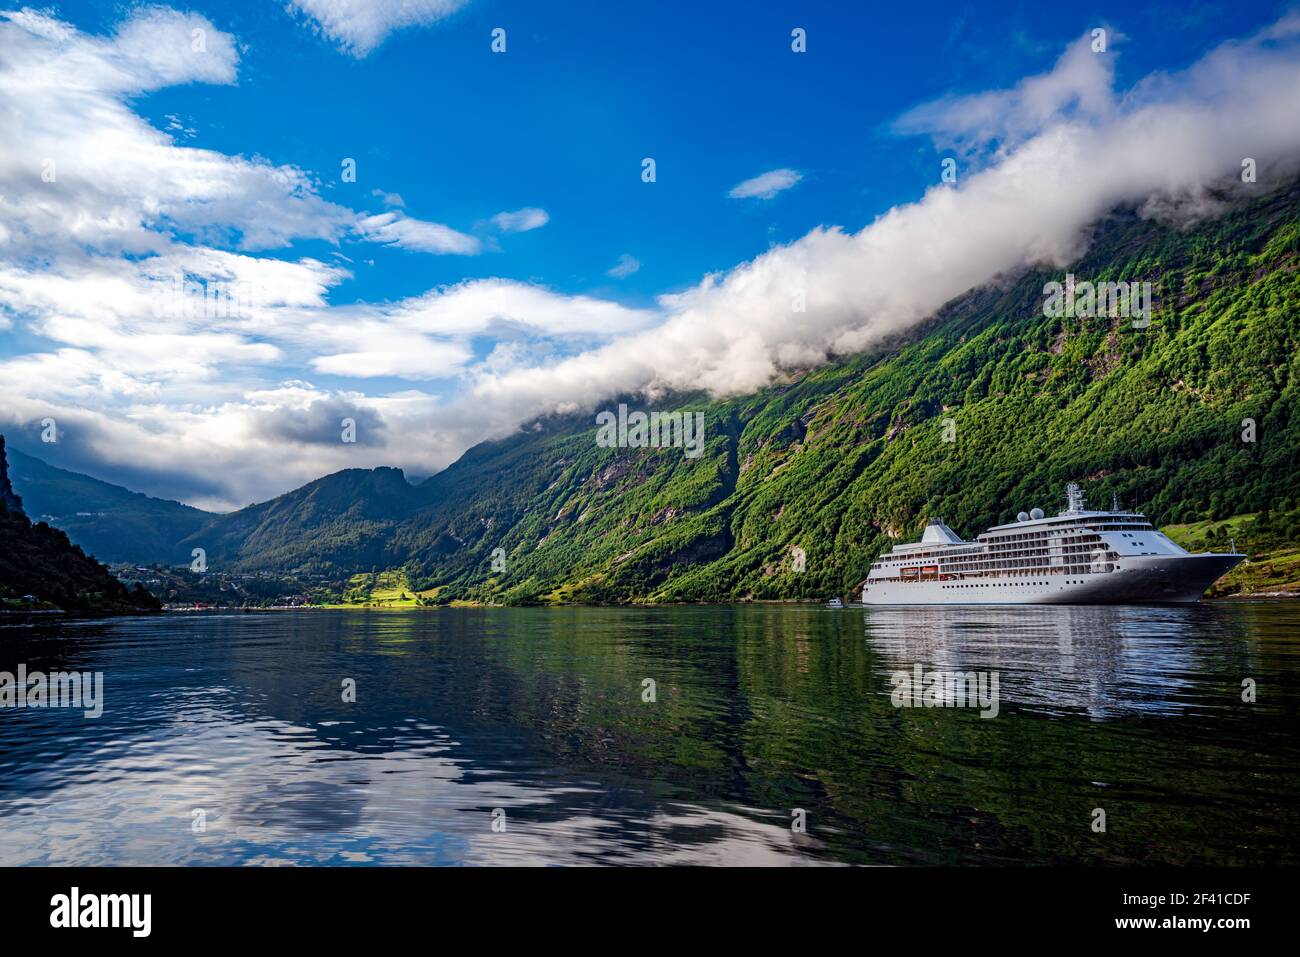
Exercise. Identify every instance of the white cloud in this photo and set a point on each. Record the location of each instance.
(626, 265)
(119, 184)
(81, 171)
(427, 337)
(521, 220)
(497, 305)
(399, 356)
(388, 199)
(198, 400)
(766, 185)
(1078, 87)
(159, 47)
(359, 26)
(1163, 145)
(397, 229)
(145, 384)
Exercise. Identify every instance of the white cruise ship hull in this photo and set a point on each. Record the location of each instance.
(1157, 579)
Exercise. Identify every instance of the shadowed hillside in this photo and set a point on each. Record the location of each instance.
(108, 521)
(37, 561)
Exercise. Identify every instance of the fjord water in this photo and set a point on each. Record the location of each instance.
(536, 718)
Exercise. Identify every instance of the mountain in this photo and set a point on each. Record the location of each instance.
(337, 524)
(842, 460)
(345, 517)
(986, 409)
(40, 561)
(107, 521)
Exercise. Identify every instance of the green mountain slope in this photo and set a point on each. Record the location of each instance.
(338, 524)
(37, 561)
(107, 521)
(841, 461)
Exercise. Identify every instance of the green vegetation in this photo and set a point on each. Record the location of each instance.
(40, 569)
(1271, 538)
(107, 521)
(843, 460)
(337, 525)
(389, 589)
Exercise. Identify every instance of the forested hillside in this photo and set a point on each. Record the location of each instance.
(108, 521)
(38, 562)
(842, 460)
(342, 523)
(986, 410)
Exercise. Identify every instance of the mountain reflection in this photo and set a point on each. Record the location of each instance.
(760, 714)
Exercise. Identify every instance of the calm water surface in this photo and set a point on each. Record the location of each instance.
(759, 711)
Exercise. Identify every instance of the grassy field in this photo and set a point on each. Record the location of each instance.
(389, 589)
(1210, 536)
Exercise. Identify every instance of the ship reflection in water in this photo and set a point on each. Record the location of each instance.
(1103, 660)
(225, 739)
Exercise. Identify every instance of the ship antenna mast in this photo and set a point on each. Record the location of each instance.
(1073, 498)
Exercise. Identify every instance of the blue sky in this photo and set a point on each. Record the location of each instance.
(559, 123)
(586, 90)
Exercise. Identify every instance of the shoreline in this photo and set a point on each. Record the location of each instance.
(1226, 599)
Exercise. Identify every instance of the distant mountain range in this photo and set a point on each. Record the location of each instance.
(40, 568)
(987, 409)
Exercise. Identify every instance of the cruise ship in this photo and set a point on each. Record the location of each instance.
(1080, 557)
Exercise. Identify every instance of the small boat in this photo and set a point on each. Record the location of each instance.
(835, 603)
